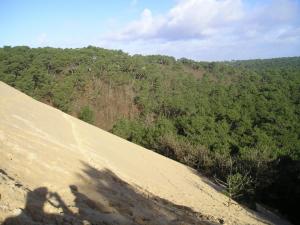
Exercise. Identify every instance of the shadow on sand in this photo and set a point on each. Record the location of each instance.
(104, 198)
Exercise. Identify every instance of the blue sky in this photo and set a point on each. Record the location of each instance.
(197, 29)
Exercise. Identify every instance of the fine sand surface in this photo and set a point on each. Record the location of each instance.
(56, 169)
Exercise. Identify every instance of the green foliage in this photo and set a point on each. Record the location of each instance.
(238, 186)
(86, 114)
(131, 130)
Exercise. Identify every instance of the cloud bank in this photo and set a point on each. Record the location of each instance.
(214, 30)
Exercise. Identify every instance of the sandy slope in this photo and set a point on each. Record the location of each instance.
(58, 169)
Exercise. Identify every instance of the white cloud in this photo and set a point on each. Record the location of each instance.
(188, 19)
(203, 28)
(42, 39)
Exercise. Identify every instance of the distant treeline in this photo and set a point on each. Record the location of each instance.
(237, 121)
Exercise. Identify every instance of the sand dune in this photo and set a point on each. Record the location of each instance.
(56, 169)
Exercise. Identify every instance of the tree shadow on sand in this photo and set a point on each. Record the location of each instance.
(104, 198)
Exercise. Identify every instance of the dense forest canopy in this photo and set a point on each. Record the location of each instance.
(236, 121)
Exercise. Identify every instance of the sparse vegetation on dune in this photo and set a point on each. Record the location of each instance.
(238, 122)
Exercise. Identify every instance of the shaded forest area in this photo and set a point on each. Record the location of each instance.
(237, 122)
